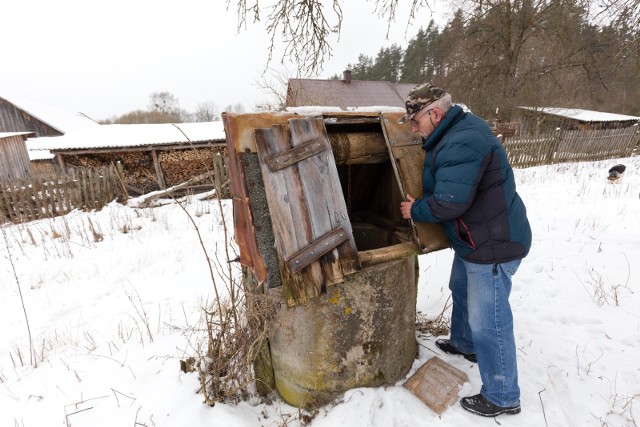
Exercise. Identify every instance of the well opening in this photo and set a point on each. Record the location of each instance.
(369, 186)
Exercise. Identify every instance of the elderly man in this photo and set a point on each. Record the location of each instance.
(469, 187)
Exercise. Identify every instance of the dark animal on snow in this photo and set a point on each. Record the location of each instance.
(615, 173)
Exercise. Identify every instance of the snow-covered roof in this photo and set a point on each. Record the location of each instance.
(120, 136)
(62, 120)
(37, 154)
(319, 109)
(10, 134)
(582, 115)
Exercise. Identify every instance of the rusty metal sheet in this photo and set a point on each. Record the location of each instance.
(239, 130)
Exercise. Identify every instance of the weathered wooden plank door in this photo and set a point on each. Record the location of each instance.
(407, 158)
(239, 129)
(309, 215)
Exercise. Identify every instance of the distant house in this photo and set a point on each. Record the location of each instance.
(346, 93)
(154, 156)
(25, 116)
(544, 119)
(14, 158)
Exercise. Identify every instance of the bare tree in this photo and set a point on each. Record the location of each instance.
(306, 28)
(235, 108)
(624, 12)
(143, 117)
(303, 26)
(164, 102)
(276, 86)
(206, 111)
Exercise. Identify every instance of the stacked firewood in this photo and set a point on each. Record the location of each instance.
(138, 167)
(42, 167)
(177, 166)
(181, 165)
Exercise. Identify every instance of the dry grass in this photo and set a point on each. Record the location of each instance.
(604, 293)
(235, 327)
(436, 326)
(225, 360)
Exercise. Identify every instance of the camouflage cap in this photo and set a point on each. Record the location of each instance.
(419, 97)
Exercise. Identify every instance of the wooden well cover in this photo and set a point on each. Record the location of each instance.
(311, 226)
(407, 158)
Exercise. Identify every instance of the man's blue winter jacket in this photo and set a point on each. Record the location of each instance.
(469, 186)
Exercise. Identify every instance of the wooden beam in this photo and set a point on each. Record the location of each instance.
(144, 201)
(351, 148)
(60, 159)
(294, 155)
(159, 174)
(73, 152)
(389, 253)
(315, 250)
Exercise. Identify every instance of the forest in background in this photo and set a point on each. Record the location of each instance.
(506, 54)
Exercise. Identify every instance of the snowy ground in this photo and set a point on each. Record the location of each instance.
(112, 297)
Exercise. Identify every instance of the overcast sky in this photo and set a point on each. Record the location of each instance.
(106, 58)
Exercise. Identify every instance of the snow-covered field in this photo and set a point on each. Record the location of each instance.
(112, 299)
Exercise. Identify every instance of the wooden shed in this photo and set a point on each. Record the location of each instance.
(26, 116)
(14, 158)
(153, 156)
(545, 119)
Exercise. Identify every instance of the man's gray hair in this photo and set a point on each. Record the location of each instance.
(443, 103)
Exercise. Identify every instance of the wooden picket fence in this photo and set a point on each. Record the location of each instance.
(50, 196)
(563, 146)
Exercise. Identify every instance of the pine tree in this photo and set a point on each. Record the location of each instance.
(387, 64)
(362, 69)
(419, 58)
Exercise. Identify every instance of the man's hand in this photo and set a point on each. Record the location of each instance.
(405, 207)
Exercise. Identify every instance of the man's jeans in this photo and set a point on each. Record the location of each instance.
(481, 323)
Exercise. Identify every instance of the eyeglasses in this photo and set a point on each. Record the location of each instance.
(414, 119)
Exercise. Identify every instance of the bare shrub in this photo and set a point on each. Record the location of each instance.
(226, 370)
(603, 292)
(97, 233)
(436, 326)
(235, 327)
(24, 309)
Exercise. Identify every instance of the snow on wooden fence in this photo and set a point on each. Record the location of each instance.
(564, 146)
(57, 194)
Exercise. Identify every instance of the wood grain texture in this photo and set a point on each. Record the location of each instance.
(289, 215)
(306, 205)
(325, 199)
(405, 150)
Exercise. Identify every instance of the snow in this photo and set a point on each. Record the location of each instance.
(10, 134)
(35, 153)
(319, 109)
(375, 109)
(313, 110)
(135, 135)
(583, 115)
(110, 319)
